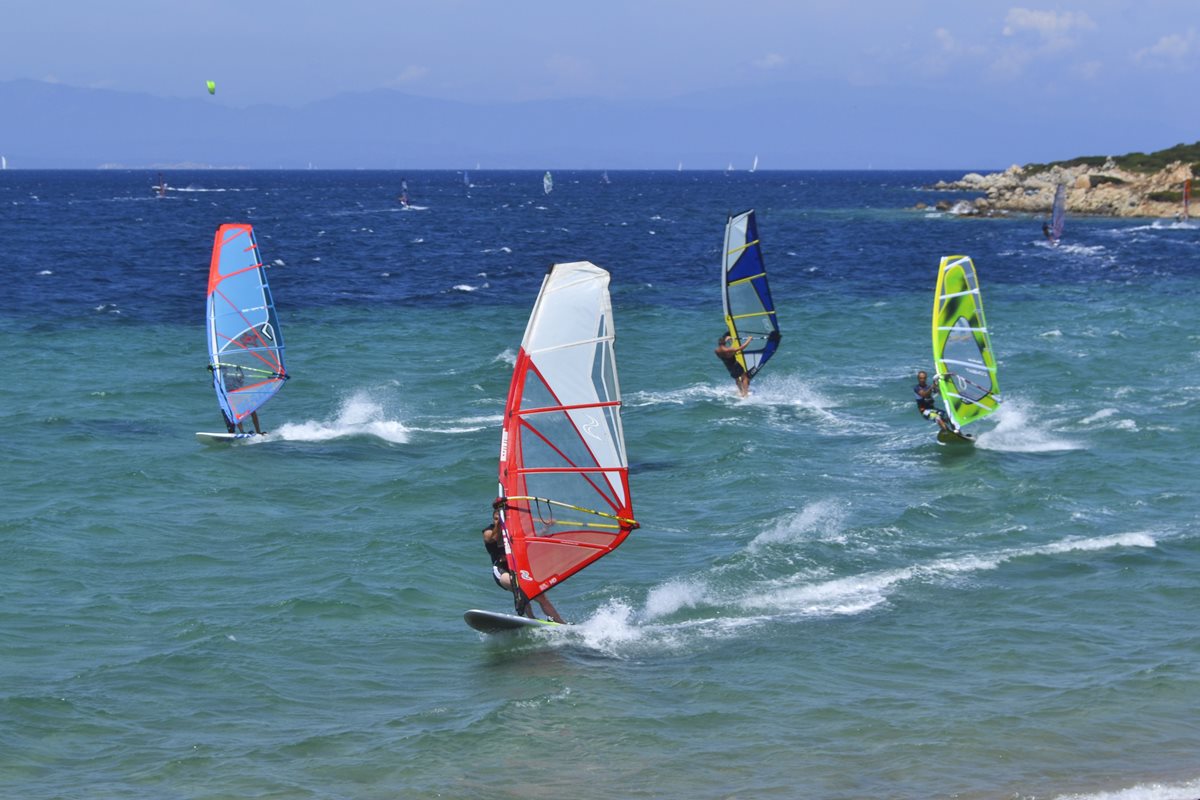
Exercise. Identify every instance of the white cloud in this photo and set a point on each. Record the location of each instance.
(410, 74)
(1047, 24)
(1087, 70)
(1171, 50)
(770, 61)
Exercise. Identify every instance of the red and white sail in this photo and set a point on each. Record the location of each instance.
(563, 469)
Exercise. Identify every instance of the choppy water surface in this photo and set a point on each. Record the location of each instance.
(821, 602)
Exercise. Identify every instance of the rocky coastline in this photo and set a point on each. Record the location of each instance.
(1106, 188)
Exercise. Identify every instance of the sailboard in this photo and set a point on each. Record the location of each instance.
(962, 348)
(495, 622)
(1058, 213)
(564, 476)
(749, 309)
(754, 166)
(547, 183)
(1187, 198)
(245, 347)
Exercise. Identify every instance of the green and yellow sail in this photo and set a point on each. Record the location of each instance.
(962, 349)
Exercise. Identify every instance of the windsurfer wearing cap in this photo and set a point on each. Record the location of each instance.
(493, 541)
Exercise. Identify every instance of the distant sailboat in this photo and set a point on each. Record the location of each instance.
(729, 168)
(1058, 213)
(1187, 197)
(466, 179)
(547, 183)
(3, 162)
(680, 167)
(604, 178)
(754, 166)
(403, 197)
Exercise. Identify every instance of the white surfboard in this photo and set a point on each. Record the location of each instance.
(495, 622)
(223, 438)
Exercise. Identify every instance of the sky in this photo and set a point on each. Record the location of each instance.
(1100, 60)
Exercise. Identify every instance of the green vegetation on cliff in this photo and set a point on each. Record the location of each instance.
(1133, 162)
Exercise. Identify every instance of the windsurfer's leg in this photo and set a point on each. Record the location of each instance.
(254, 416)
(548, 608)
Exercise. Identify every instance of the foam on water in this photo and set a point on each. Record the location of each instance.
(358, 415)
(1018, 431)
(1187, 790)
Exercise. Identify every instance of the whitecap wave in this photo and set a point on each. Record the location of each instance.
(358, 415)
(1016, 432)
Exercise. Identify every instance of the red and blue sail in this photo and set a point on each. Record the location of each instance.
(245, 347)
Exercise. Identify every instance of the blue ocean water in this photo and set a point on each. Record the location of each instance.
(821, 601)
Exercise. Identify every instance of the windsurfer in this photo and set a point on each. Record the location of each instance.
(925, 405)
(728, 355)
(235, 378)
(493, 541)
(1046, 230)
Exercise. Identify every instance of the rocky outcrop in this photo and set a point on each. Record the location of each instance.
(1105, 190)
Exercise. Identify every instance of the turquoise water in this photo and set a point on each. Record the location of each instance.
(821, 601)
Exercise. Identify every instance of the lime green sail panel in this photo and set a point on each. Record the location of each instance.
(962, 349)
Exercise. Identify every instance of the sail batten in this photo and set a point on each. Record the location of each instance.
(962, 348)
(562, 445)
(245, 346)
(746, 294)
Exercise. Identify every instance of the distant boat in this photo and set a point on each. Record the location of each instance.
(1058, 213)
(754, 166)
(729, 168)
(547, 183)
(604, 178)
(962, 348)
(466, 179)
(3, 162)
(680, 167)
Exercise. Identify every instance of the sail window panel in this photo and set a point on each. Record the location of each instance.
(550, 560)
(584, 489)
(963, 353)
(569, 371)
(553, 439)
(535, 393)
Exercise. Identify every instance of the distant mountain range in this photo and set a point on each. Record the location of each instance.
(789, 126)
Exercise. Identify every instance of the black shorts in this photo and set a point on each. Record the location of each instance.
(736, 370)
(497, 573)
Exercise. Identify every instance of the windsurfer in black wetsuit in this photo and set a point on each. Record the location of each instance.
(728, 355)
(493, 541)
(925, 393)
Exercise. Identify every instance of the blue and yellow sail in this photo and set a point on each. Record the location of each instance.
(962, 348)
(749, 308)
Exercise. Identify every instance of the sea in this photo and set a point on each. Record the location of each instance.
(821, 602)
